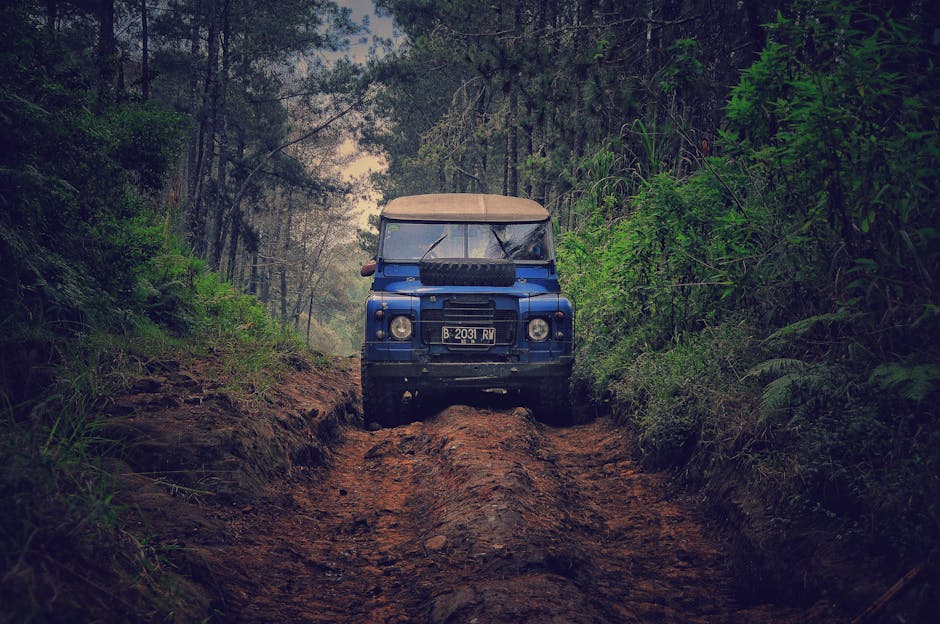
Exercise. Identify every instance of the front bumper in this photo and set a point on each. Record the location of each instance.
(441, 375)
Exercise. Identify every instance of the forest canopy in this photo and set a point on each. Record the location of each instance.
(211, 128)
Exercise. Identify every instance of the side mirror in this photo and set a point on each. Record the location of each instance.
(368, 269)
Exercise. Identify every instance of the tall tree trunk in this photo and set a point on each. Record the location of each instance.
(483, 144)
(238, 221)
(234, 239)
(145, 52)
(52, 13)
(195, 138)
(756, 34)
(253, 280)
(242, 268)
(529, 133)
(211, 106)
(512, 156)
(513, 121)
(221, 216)
(107, 52)
(506, 171)
(309, 315)
(283, 262)
(283, 274)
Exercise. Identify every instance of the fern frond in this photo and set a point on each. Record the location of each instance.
(914, 383)
(797, 384)
(777, 395)
(802, 326)
(776, 366)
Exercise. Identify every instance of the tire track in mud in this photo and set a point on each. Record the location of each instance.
(478, 515)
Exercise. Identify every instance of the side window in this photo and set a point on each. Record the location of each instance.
(529, 242)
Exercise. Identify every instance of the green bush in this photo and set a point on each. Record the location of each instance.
(675, 262)
(674, 397)
(768, 325)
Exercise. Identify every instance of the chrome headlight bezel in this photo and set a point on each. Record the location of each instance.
(538, 329)
(401, 328)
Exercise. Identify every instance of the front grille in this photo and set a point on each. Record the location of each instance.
(468, 313)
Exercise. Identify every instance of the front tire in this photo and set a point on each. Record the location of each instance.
(381, 401)
(552, 402)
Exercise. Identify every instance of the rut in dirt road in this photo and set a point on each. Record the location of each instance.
(479, 515)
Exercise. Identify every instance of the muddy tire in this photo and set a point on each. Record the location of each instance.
(467, 272)
(552, 403)
(381, 401)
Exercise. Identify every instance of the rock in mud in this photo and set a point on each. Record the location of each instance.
(438, 542)
(449, 604)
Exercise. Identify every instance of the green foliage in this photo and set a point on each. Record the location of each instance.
(671, 396)
(93, 287)
(57, 467)
(146, 141)
(165, 290)
(804, 326)
(796, 384)
(848, 129)
(914, 383)
(686, 68)
(76, 234)
(816, 229)
(676, 262)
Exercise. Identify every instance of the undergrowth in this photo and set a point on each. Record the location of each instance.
(768, 325)
(96, 292)
(66, 553)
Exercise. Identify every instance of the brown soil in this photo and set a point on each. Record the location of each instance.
(472, 514)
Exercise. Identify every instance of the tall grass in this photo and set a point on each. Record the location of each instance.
(66, 553)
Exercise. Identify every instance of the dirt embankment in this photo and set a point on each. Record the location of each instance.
(474, 514)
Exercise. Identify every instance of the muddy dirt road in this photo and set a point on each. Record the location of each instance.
(477, 514)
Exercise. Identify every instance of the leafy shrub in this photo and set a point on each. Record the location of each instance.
(77, 230)
(675, 262)
(672, 397)
(769, 324)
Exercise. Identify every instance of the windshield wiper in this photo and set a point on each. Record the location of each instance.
(499, 240)
(433, 245)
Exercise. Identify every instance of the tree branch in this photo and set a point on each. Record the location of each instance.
(236, 201)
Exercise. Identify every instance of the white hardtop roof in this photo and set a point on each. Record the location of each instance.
(468, 207)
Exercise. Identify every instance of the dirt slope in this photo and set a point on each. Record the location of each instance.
(478, 515)
(473, 514)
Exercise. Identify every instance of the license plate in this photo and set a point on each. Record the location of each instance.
(468, 335)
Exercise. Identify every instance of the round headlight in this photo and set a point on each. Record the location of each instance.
(538, 329)
(401, 328)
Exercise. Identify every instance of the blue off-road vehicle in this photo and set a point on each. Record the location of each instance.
(465, 295)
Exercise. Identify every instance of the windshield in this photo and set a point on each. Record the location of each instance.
(410, 240)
